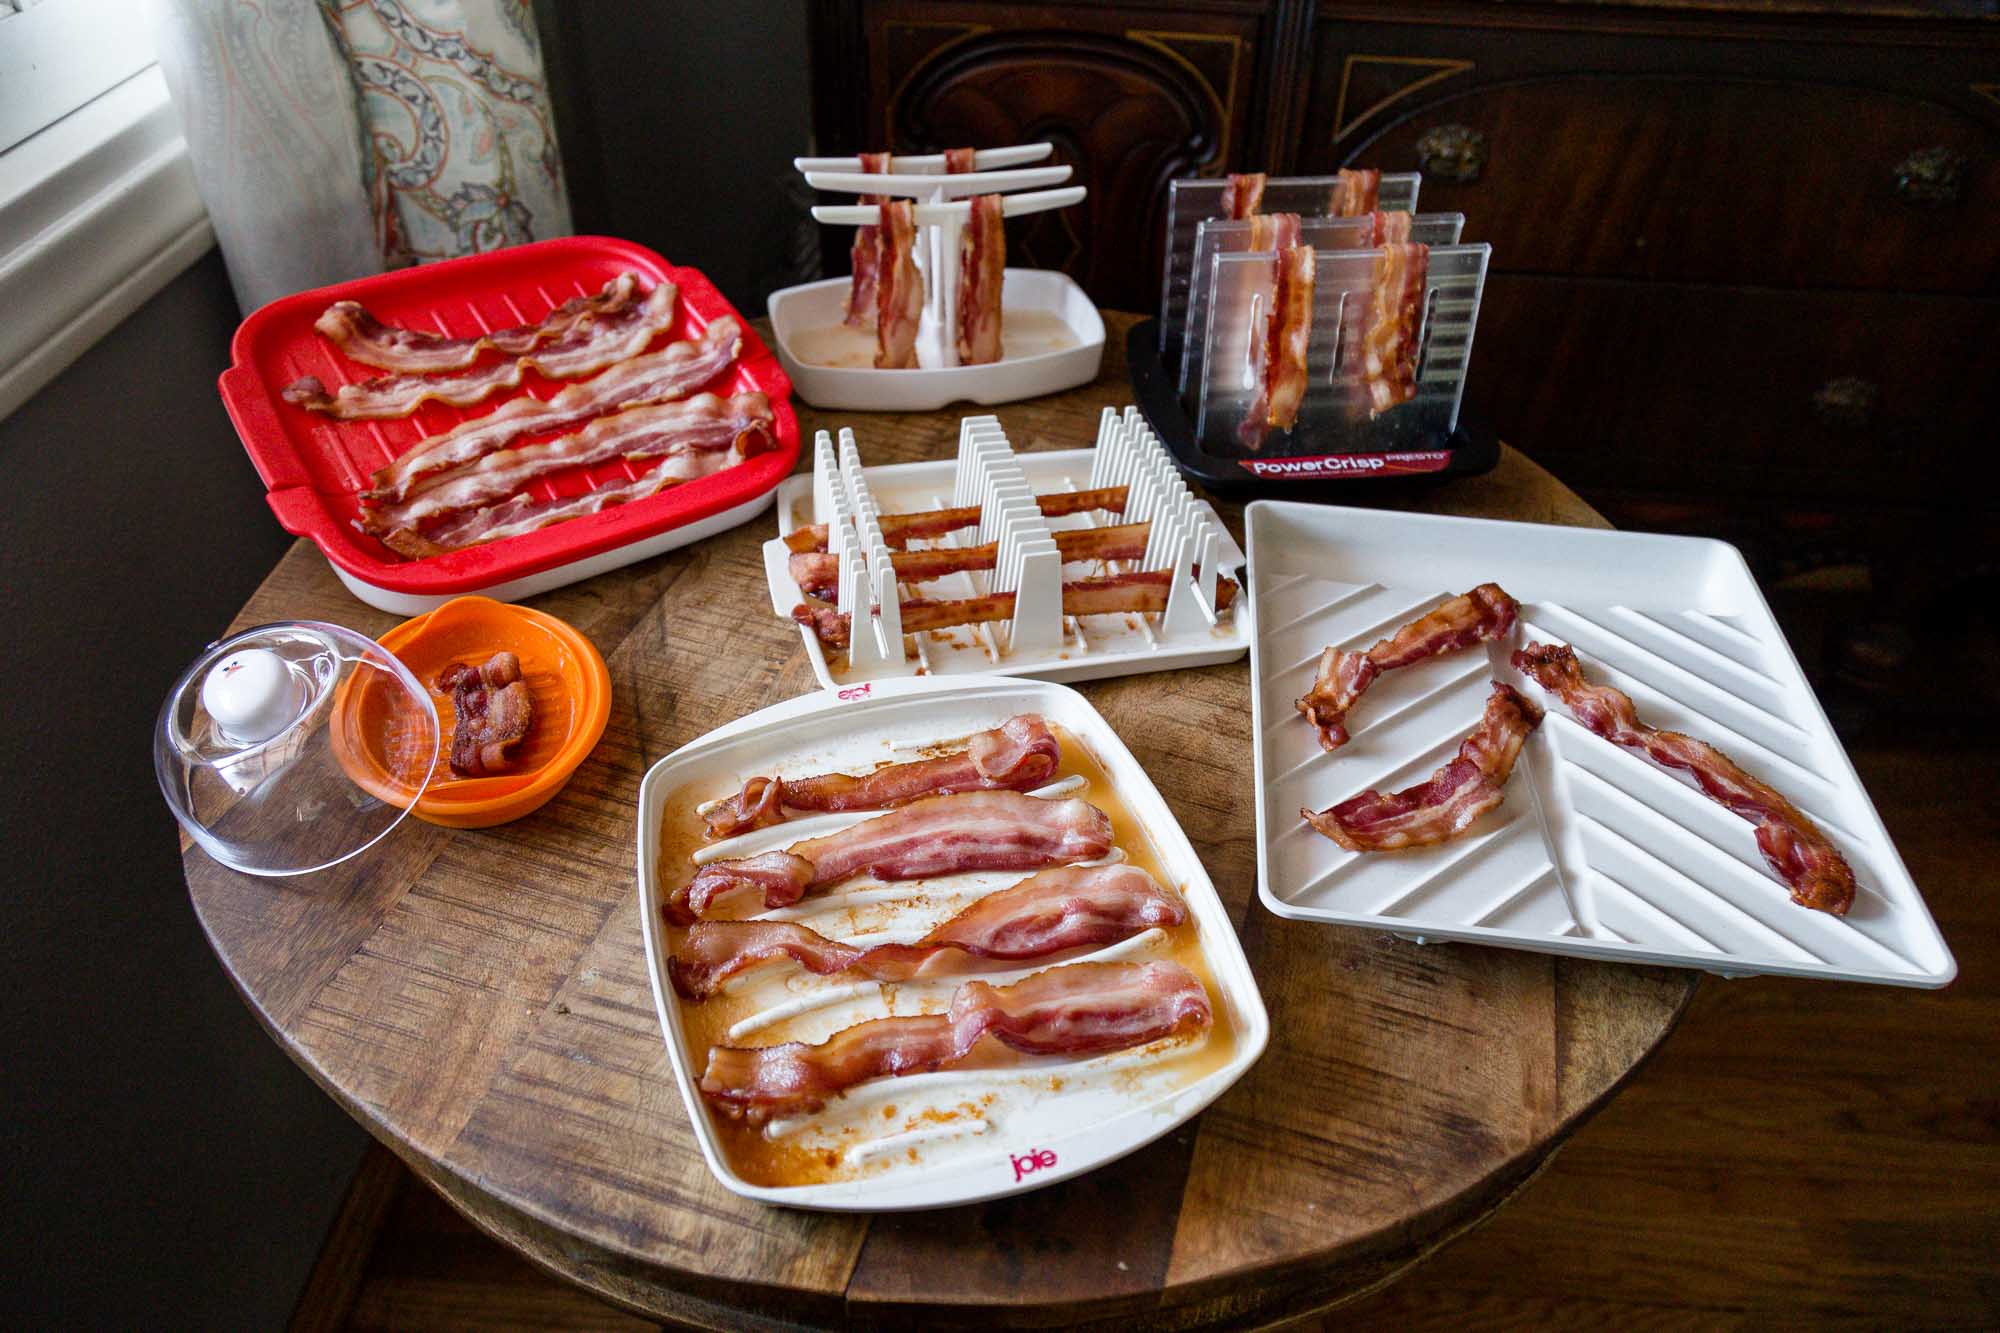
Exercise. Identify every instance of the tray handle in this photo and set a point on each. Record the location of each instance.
(257, 425)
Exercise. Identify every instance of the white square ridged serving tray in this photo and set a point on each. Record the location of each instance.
(1105, 1106)
(1595, 851)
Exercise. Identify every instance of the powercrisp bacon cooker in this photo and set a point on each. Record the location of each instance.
(314, 468)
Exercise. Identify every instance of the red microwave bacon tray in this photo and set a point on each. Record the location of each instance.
(314, 470)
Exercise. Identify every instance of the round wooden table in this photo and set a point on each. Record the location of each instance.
(479, 1001)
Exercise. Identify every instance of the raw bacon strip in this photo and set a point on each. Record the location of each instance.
(524, 513)
(1111, 594)
(1081, 1009)
(899, 289)
(1018, 754)
(656, 377)
(899, 530)
(1457, 794)
(1067, 908)
(1243, 196)
(982, 269)
(1389, 344)
(959, 161)
(705, 423)
(1485, 613)
(1354, 192)
(867, 252)
(817, 572)
(1287, 329)
(1799, 854)
(1389, 228)
(938, 835)
(586, 349)
(361, 337)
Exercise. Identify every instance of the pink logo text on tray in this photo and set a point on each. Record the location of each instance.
(1027, 1163)
(855, 692)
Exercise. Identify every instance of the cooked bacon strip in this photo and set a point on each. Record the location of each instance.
(1389, 344)
(361, 337)
(937, 835)
(1286, 331)
(1799, 854)
(959, 161)
(867, 253)
(1111, 594)
(587, 348)
(816, 572)
(1354, 192)
(982, 270)
(525, 513)
(1018, 754)
(1446, 805)
(1485, 613)
(491, 711)
(1081, 1009)
(899, 530)
(704, 423)
(1066, 908)
(1243, 196)
(1390, 228)
(899, 289)
(656, 377)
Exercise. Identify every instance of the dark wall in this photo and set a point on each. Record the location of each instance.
(165, 1164)
(679, 123)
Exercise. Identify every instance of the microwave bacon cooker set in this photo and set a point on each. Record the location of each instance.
(930, 935)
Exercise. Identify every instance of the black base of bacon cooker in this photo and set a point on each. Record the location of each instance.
(1472, 448)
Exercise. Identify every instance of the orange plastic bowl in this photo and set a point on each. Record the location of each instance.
(566, 679)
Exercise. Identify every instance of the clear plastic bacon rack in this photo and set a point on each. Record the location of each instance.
(1186, 548)
(1198, 369)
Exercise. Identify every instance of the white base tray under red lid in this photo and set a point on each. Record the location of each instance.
(1035, 1125)
(1595, 851)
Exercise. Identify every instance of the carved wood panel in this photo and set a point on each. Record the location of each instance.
(1131, 97)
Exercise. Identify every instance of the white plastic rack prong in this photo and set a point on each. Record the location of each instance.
(875, 620)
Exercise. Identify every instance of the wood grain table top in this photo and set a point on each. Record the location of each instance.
(479, 1000)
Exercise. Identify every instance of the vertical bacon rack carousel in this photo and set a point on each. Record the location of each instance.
(1203, 371)
(1060, 348)
(1171, 605)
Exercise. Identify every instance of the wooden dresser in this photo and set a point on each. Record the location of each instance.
(1746, 256)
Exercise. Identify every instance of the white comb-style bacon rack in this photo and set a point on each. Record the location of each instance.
(936, 835)
(361, 337)
(669, 373)
(899, 288)
(1109, 594)
(1080, 1009)
(1483, 614)
(1070, 907)
(818, 572)
(1396, 309)
(899, 530)
(1445, 805)
(586, 348)
(705, 423)
(982, 270)
(1019, 754)
(1798, 852)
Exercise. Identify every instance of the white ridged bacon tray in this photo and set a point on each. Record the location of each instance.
(951, 1136)
(1595, 852)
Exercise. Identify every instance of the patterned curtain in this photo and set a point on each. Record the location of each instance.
(339, 139)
